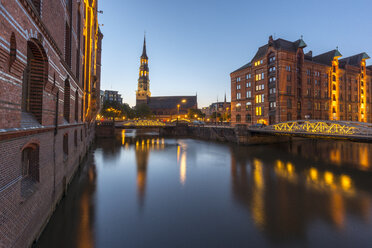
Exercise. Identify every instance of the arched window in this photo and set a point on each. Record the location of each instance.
(30, 162)
(334, 87)
(248, 118)
(238, 118)
(77, 105)
(289, 116)
(35, 76)
(66, 103)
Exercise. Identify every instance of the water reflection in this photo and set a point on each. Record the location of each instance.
(352, 154)
(230, 196)
(182, 151)
(285, 198)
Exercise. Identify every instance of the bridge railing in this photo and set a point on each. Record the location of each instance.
(323, 127)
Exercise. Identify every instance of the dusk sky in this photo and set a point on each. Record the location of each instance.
(194, 45)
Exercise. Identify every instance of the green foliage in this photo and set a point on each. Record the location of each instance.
(142, 111)
(195, 112)
(111, 110)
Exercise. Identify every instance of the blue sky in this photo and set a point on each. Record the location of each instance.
(194, 45)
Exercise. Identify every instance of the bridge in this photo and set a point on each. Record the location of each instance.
(319, 128)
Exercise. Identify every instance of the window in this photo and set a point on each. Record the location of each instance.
(308, 72)
(78, 45)
(76, 106)
(65, 144)
(238, 96)
(272, 69)
(238, 118)
(238, 107)
(248, 76)
(238, 79)
(289, 103)
(248, 118)
(289, 78)
(248, 84)
(66, 102)
(289, 90)
(30, 162)
(308, 92)
(259, 111)
(309, 81)
(238, 86)
(288, 68)
(35, 77)
(68, 44)
(272, 105)
(273, 79)
(249, 94)
(248, 106)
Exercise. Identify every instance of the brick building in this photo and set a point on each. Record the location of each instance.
(283, 83)
(50, 55)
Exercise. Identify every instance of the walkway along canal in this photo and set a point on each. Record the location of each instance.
(142, 190)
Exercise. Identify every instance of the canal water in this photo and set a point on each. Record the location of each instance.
(141, 190)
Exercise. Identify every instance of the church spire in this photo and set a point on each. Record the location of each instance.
(143, 90)
(144, 54)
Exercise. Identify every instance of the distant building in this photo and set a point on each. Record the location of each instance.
(282, 83)
(223, 110)
(164, 108)
(112, 96)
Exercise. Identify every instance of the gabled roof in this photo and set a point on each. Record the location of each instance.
(171, 102)
(354, 60)
(327, 58)
(278, 44)
(243, 67)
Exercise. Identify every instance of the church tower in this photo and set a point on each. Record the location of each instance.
(143, 90)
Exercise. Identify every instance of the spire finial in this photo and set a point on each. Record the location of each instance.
(302, 37)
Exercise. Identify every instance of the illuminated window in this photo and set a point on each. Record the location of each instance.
(248, 106)
(258, 111)
(238, 107)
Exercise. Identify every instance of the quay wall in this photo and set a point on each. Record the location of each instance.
(26, 205)
(236, 135)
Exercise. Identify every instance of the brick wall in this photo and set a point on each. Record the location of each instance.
(26, 203)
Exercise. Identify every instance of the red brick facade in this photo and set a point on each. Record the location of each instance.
(49, 78)
(282, 83)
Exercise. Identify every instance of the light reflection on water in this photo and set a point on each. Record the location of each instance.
(146, 191)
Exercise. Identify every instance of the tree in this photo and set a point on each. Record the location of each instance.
(111, 109)
(142, 111)
(128, 112)
(195, 113)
